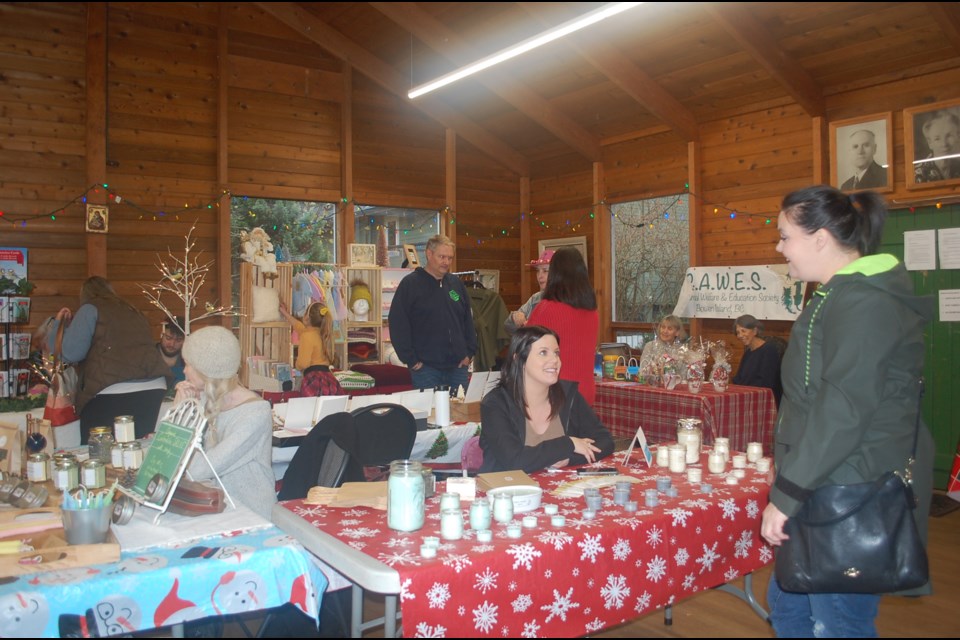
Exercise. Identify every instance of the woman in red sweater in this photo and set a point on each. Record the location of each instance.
(569, 308)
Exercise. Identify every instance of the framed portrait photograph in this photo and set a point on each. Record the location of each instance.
(410, 253)
(577, 242)
(931, 142)
(98, 218)
(362, 255)
(861, 153)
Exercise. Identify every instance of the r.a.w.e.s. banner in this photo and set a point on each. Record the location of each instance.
(763, 291)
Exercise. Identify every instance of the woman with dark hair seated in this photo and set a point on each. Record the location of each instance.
(760, 365)
(534, 420)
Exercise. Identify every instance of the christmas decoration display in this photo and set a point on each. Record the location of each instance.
(183, 278)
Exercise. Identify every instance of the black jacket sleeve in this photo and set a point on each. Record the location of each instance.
(583, 422)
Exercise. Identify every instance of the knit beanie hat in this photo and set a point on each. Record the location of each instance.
(213, 351)
(360, 291)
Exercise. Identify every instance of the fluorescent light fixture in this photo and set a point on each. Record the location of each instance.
(550, 35)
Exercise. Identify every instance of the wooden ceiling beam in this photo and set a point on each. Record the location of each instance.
(742, 26)
(624, 73)
(947, 15)
(445, 41)
(337, 44)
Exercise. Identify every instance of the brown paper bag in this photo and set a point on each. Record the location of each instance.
(11, 448)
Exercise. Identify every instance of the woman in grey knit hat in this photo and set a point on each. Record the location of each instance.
(240, 426)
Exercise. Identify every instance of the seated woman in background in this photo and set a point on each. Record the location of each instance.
(534, 420)
(315, 354)
(760, 365)
(669, 335)
(239, 422)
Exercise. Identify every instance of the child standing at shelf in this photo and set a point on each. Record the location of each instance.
(315, 356)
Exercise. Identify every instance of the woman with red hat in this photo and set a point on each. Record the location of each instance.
(519, 318)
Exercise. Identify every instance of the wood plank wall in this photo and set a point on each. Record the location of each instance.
(284, 139)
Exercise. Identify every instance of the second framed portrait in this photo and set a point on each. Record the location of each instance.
(931, 139)
(861, 153)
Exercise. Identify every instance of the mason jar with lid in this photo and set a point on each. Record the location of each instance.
(690, 433)
(132, 455)
(66, 474)
(123, 429)
(116, 455)
(37, 467)
(405, 496)
(99, 443)
(93, 473)
(59, 457)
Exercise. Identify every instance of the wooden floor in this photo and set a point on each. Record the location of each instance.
(721, 615)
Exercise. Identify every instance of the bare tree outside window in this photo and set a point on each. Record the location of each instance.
(651, 253)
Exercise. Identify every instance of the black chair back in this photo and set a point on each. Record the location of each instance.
(381, 433)
(320, 460)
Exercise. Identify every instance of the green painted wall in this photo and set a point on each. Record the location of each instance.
(941, 405)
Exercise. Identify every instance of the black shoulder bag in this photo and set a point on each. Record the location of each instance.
(856, 538)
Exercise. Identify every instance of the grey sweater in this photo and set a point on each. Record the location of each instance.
(242, 457)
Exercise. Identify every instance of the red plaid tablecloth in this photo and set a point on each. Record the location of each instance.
(743, 414)
(565, 581)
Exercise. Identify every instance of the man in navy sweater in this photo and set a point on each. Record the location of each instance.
(431, 324)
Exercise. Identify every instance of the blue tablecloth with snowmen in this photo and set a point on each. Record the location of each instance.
(159, 586)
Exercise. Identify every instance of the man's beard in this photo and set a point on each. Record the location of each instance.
(170, 354)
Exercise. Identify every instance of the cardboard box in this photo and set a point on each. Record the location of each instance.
(464, 411)
(487, 481)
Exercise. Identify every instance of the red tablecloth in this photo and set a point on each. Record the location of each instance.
(743, 414)
(571, 580)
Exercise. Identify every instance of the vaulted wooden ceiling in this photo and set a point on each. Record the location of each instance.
(662, 67)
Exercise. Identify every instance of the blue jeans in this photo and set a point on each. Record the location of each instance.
(822, 615)
(430, 378)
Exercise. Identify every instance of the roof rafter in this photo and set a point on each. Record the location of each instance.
(947, 15)
(337, 44)
(633, 80)
(446, 42)
(750, 34)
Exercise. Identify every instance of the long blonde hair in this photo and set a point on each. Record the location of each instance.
(319, 316)
(214, 390)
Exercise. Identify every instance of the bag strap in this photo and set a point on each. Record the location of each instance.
(907, 475)
(58, 342)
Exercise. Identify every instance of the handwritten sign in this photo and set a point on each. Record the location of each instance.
(763, 291)
(171, 444)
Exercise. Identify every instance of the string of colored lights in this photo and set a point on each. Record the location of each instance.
(332, 209)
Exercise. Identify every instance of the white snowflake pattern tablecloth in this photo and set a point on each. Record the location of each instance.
(571, 580)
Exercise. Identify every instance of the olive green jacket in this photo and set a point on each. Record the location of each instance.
(851, 385)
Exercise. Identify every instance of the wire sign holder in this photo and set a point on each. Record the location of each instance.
(179, 435)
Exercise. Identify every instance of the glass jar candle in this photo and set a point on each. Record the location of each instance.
(754, 451)
(480, 514)
(37, 467)
(663, 455)
(132, 455)
(93, 473)
(723, 446)
(116, 455)
(405, 496)
(449, 500)
(503, 507)
(66, 474)
(123, 429)
(690, 434)
(451, 524)
(716, 462)
(99, 444)
(678, 458)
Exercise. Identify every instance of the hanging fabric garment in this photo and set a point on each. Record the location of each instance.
(489, 314)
